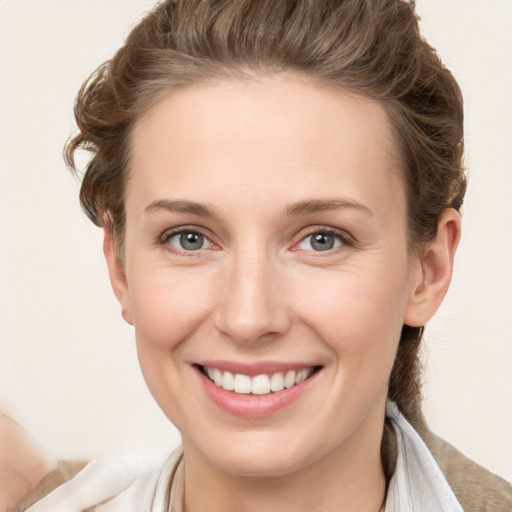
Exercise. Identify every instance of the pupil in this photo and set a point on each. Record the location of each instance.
(191, 241)
(322, 242)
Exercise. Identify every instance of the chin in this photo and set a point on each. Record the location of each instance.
(259, 454)
(259, 463)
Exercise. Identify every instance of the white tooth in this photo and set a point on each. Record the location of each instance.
(217, 377)
(260, 385)
(289, 380)
(301, 375)
(277, 382)
(209, 371)
(242, 384)
(228, 381)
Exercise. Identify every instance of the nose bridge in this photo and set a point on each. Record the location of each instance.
(252, 305)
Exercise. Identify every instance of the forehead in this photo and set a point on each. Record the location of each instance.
(247, 137)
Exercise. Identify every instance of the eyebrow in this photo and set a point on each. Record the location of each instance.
(319, 205)
(297, 209)
(182, 206)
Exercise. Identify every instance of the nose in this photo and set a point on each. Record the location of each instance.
(252, 301)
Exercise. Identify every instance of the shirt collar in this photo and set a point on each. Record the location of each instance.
(417, 485)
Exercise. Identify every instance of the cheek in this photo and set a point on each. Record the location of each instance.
(166, 306)
(359, 313)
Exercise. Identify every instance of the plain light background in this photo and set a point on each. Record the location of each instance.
(68, 368)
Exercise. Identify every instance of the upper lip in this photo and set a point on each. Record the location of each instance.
(253, 369)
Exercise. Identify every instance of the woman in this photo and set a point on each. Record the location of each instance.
(279, 186)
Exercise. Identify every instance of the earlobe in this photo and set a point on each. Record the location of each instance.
(117, 274)
(434, 272)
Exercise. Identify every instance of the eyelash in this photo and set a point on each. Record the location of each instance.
(345, 239)
(163, 240)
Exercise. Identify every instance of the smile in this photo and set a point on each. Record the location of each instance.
(262, 384)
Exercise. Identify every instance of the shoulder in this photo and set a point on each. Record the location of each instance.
(476, 488)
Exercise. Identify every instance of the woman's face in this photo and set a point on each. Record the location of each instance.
(266, 243)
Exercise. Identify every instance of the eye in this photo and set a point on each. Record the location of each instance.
(321, 241)
(188, 241)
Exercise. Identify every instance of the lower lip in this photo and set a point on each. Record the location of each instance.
(254, 406)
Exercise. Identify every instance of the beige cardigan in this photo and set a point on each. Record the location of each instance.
(476, 488)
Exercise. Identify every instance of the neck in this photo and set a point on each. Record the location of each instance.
(350, 477)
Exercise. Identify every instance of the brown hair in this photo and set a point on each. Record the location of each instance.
(372, 47)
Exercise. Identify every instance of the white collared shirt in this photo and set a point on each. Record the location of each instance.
(417, 485)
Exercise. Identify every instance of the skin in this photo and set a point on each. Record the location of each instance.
(262, 156)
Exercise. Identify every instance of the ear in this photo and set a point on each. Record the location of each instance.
(434, 271)
(117, 274)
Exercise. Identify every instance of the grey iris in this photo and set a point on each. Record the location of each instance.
(322, 242)
(191, 241)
